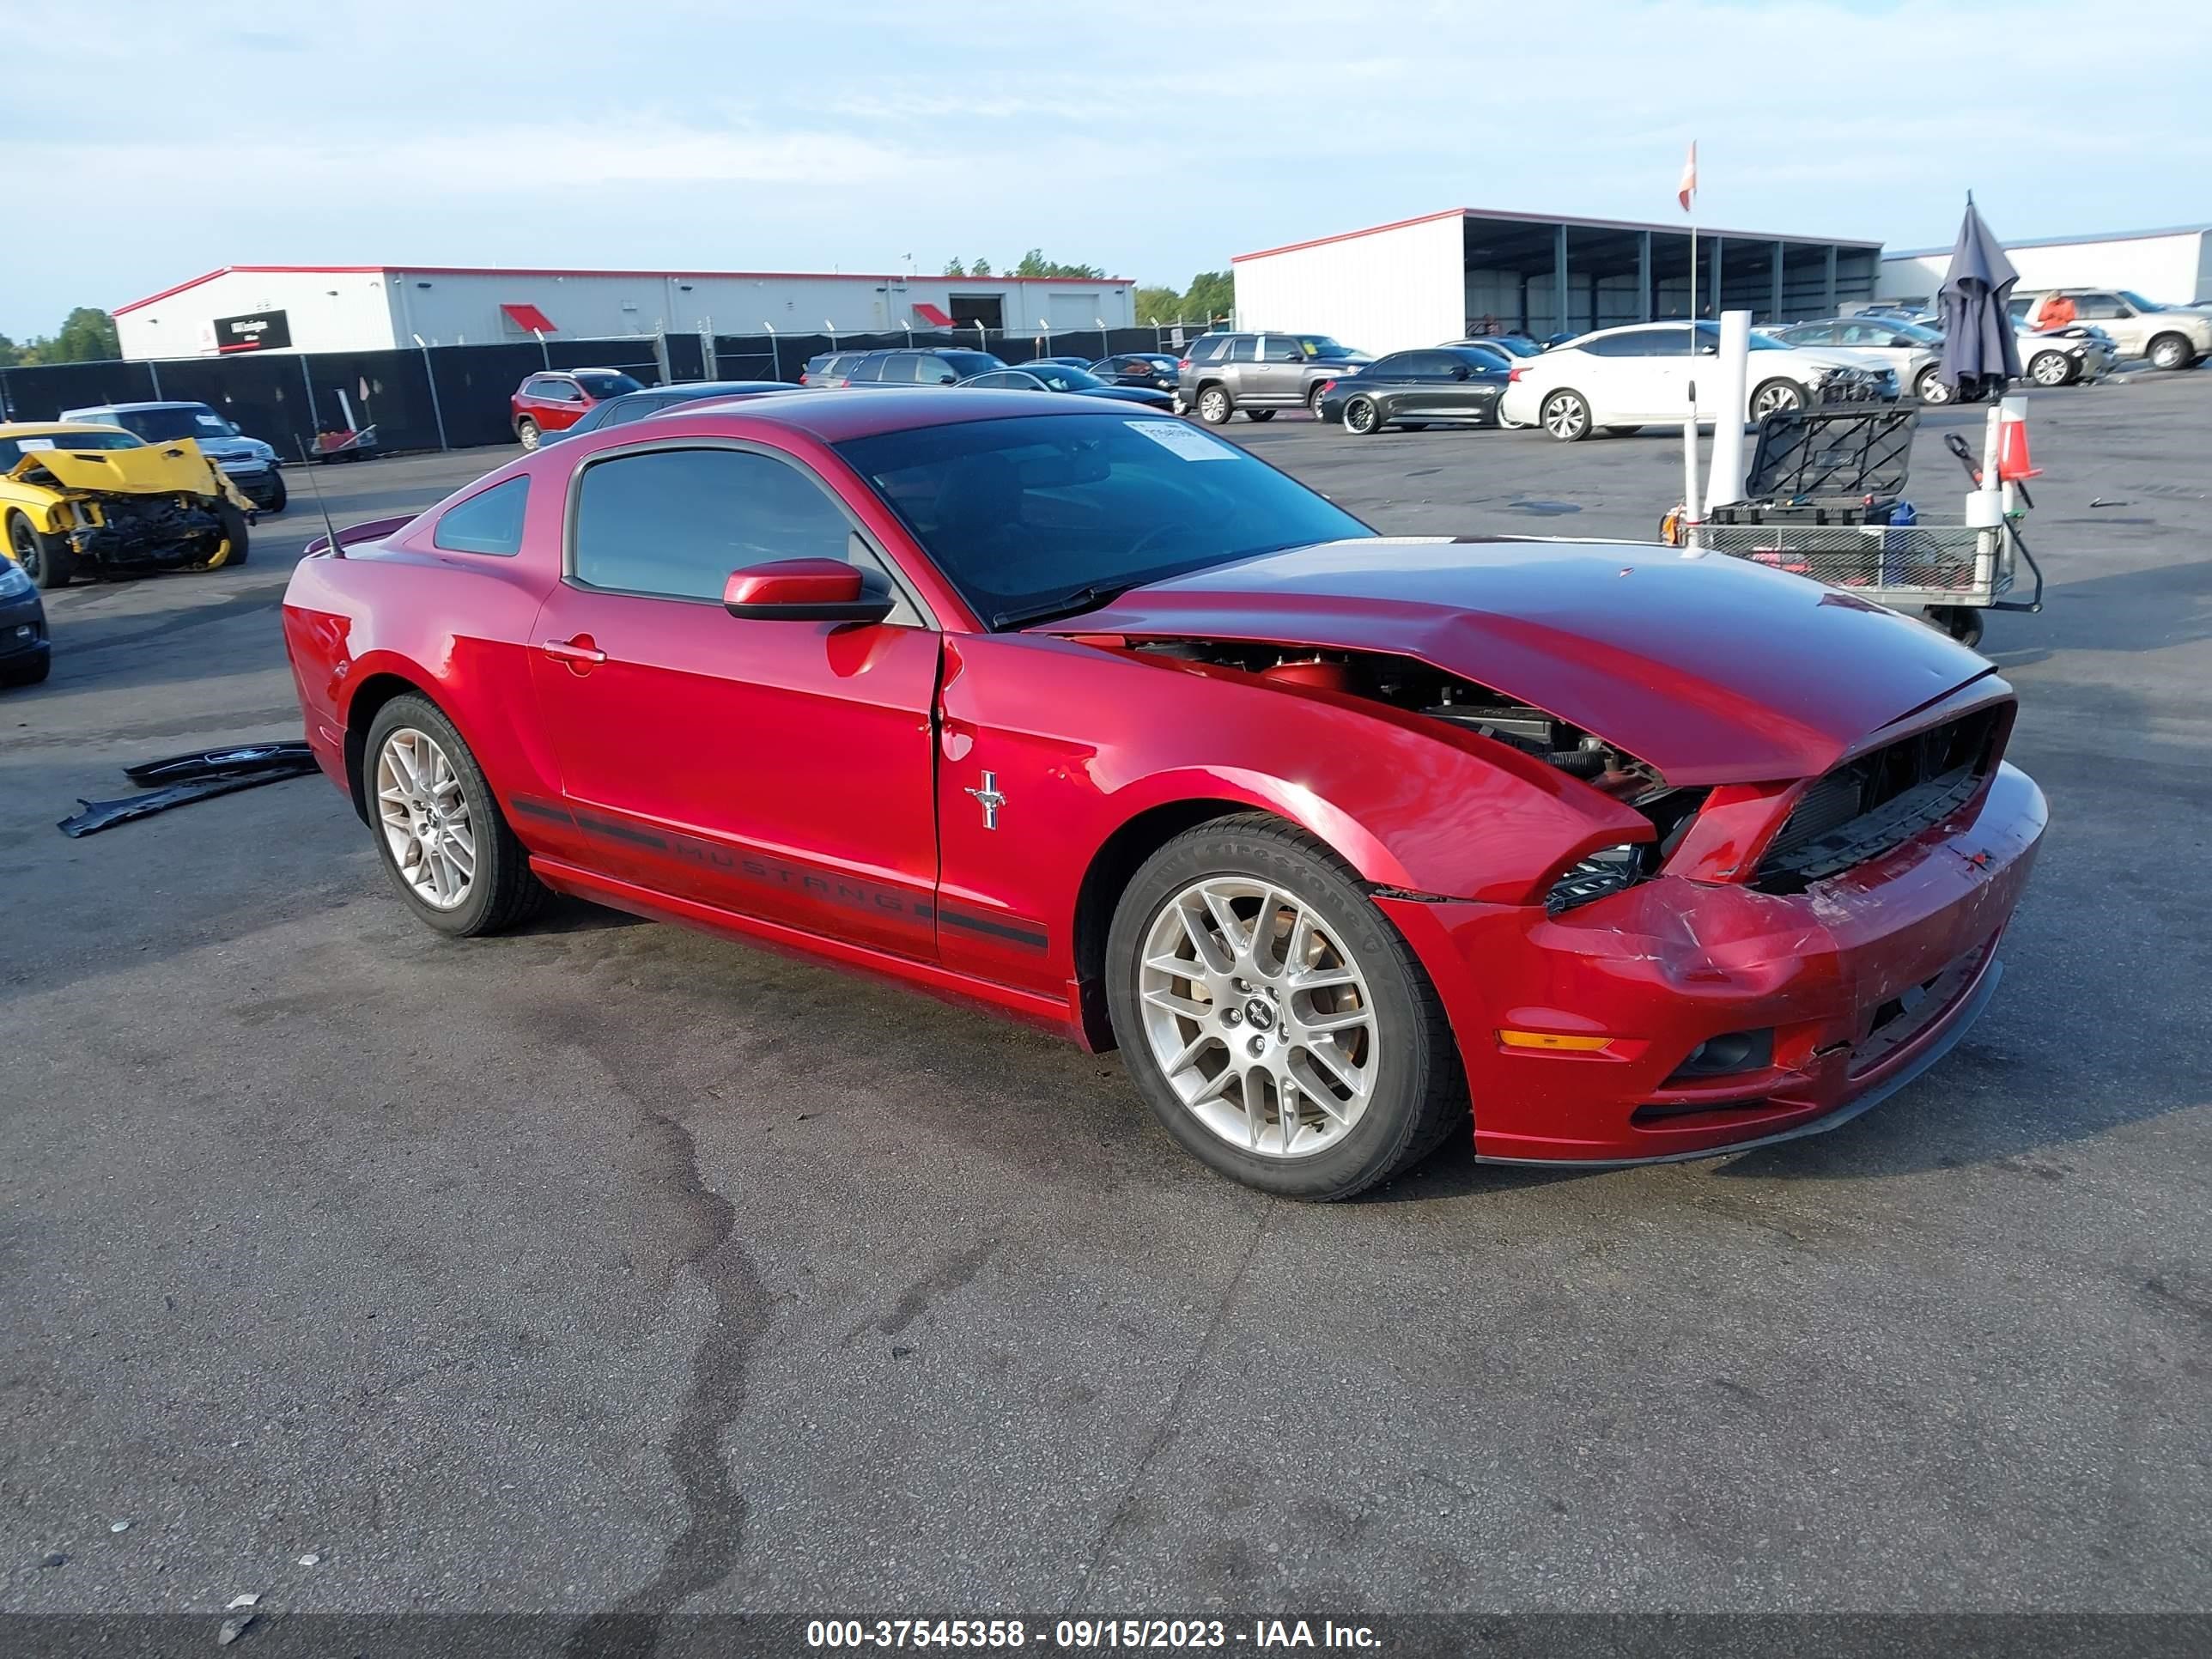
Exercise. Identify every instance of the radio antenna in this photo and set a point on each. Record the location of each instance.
(330, 529)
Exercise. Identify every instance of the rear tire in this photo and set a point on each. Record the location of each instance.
(1412, 1091)
(500, 891)
(526, 432)
(1259, 414)
(46, 559)
(1962, 623)
(1566, 416)
(1360, 415)
(2171, 351)
(1215, 405)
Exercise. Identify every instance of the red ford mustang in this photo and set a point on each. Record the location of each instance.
(1093, 718)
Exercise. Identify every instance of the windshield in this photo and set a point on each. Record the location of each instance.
(12, 450)
(606, 382)
(1520, 345)
(1709, 339)
(968, 364)
(1916, 331)
(1061, 378)
(1319, 346)
(2139, 302)
(1027, 515)
(165, 426)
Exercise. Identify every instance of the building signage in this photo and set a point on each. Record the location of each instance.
(258, 330)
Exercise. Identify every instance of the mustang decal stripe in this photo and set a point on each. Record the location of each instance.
(539, 809)
(1020, 932)
(822, 885)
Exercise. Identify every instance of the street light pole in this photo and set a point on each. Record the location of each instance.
(774, 350)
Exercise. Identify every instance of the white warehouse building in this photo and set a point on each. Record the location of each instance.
(1422, 281)
(244, 308)
(2169, 266)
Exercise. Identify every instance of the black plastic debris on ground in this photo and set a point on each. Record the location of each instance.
(201, 776)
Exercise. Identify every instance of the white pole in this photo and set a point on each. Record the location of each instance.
(1731, 376)
(1691, 515)
(774, 350)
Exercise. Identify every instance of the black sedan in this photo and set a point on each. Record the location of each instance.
(636, 405)
(1042, 376)
(1157, 369)
(1441, 386)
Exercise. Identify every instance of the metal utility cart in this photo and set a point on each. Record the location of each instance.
(1825, 499)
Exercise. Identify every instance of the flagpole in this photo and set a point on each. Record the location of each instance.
(1689, 507)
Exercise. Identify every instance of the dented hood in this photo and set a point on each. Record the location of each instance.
(1713, 669)
(155, 469)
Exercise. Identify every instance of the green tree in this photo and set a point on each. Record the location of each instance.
(1212, 294)
(1157, 305)
(954, 268)
(980, 268)
(1034, 264)
(10, 353)
(85, 336)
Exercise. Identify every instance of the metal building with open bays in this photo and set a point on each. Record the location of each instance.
(1420, 281)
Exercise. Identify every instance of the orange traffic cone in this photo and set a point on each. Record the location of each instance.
(2012, 460)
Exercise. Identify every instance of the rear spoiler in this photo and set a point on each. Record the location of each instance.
(375, 531)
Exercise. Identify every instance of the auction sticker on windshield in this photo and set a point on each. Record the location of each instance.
(1186, 441)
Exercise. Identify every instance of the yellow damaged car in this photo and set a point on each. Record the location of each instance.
(78, 500)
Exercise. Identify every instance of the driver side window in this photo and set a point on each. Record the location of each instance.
(674, 523)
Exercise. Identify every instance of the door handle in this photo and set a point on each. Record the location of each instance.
(578, 653)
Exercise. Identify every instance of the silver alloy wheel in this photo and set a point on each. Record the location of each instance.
(1359, 414)
(527, 433)
(1773, 395)
(424, 816)
(2168, 352)
(2048, 369)
(1565, 416)
(1934, 388)
(1260, 1020)
(1213, 405)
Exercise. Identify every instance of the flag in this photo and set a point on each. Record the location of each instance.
(1688, 187)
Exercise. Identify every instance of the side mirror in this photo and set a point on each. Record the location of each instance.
(805, 590)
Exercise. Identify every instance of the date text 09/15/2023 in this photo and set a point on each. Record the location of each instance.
(1086, 1634)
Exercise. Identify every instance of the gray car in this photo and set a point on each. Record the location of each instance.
(248, 463)
(1261, 374)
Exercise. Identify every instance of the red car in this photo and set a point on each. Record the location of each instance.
(556, 400)
(1092, 718)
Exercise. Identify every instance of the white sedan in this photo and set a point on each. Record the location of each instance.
(1620, 379)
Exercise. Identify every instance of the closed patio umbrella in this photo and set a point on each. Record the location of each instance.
(1979, 346)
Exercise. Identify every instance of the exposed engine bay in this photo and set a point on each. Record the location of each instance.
(146, 530)
(1407, 684)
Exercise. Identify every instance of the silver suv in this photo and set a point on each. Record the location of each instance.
(1261, 374)
(2170, 336)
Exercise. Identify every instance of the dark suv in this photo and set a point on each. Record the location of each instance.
(1261, 374)
(923, 366)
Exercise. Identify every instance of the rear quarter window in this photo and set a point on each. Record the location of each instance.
(489, 522)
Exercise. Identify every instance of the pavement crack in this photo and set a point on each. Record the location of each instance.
(704, 1553)
(915, 1300)
(1164, 1431)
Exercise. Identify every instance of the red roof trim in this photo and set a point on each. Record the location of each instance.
(554, 271)
(1570, 220)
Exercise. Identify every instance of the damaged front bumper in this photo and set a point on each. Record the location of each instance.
(1826, 1001)
(145, 533)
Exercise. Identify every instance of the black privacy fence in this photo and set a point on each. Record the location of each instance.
(456, 397)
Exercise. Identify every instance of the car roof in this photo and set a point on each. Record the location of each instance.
(134, 409)
(48, 429)
(833, 417)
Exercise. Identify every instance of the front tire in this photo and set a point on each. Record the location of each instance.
(1313, 402)
(2171, 351)
(1776, 397)
(526, 432)
(236, 542)
(47, 560)
(1931, 388)
(1566, 416)
(438, 830)
(2049, 368)
(1622, 431)
(1215, 405)
(1360, 415)
(278, 495)
(1273, 1019)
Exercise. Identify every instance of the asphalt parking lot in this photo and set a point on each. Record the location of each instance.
(610, 1266)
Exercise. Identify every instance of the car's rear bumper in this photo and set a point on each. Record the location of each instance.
(1864, 982)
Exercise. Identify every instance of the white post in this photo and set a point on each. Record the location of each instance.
(1731, 376)
(775, 351)
(430, 379)
(832, 327)
(1047, 328)
(544, 350)
(1103, 347)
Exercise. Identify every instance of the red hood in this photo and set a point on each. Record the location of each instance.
(1713, 669)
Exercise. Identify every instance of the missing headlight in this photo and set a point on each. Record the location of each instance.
(1609, 870)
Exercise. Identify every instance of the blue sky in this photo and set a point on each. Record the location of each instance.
(1155, 140)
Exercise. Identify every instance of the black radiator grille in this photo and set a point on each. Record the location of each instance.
(1862, 810)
